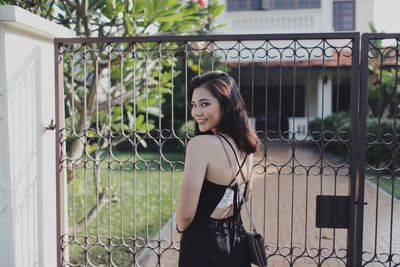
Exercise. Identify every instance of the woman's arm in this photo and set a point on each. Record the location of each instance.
(195, 169)
(250, 177)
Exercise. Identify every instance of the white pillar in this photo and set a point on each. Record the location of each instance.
(27, 149)
(326, 16)
(324, 95)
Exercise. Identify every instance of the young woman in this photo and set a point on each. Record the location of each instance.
(217, 175)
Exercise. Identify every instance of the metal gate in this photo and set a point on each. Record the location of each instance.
(123, 124)
(378, 234)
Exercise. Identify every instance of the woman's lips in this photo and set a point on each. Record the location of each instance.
(201, 121)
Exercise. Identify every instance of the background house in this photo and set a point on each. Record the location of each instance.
(318, 85)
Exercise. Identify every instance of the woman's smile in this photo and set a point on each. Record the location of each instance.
(206, 110)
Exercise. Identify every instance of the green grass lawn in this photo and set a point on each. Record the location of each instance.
(144, 197)
(386, 182)
(389, 185)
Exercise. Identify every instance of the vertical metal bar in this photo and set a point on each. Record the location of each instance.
(134, 167)
(359, 193)
(307, 110)
(212, 56)
(354, 152)
(159, 144)
(291, 140)
(321, 143)
(280, 136)
(123, 163)
(239, 65)
(395, 160)
(59, 112)
(266, 140)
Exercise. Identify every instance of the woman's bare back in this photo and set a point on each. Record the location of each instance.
(219, 170)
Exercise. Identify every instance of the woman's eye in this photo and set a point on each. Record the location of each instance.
(202, 104)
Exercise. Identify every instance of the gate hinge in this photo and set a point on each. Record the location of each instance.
(51, 126)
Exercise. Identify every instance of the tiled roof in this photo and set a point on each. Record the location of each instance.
(342, 59)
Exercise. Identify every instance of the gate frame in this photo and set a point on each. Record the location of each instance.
(363, 106)
(59, 114)
(357, 108)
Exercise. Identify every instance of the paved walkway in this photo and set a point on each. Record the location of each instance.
(283, 208)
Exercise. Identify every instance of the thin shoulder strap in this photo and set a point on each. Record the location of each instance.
(244, 192)
(226, 152)
(237, 160)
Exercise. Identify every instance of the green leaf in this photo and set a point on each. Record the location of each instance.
(159, 6)
(92, 148)
(165, 90)
(138, 7)
(91, 132)
(185, 26)
(142, 141)
(126, 128)
(154, 111)
(169, 9)
(150, 127)
(128, 108)
(139, 120)
(165, 26)
(152, 101)
(170, 18)
(190, 10)
(148, 9)
(120, 7)
(216, 10)
(217, 26)
(131, 120)
(142, 128)
(109, 10)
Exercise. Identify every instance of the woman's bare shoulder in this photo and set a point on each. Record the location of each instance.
(203, 141)
(202, 145)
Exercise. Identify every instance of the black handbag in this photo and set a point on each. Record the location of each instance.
(257, 251)
(255, 240)
(256, 244)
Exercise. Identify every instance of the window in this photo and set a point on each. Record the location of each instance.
(285, 4)
(309, 3)
(236, 5)
(344, 15)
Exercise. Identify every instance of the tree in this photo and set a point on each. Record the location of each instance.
(90, 124)
(382, 92)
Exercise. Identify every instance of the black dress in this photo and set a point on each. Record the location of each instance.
(215, 242)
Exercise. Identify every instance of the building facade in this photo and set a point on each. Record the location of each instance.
(289, 16)
(317, 87)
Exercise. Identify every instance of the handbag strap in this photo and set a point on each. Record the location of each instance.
(237, 182)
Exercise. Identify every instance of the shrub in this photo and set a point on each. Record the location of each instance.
(382, 137)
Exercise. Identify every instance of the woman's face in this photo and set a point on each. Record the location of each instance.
(206, 110)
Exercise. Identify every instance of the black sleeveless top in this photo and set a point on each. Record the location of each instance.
(215, 242)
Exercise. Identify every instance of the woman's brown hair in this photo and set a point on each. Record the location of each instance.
(234, 121)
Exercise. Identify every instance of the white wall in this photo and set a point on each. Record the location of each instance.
(364, 14)
(292, 21)
(324, 96)
(27, 149)
(271, 21)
